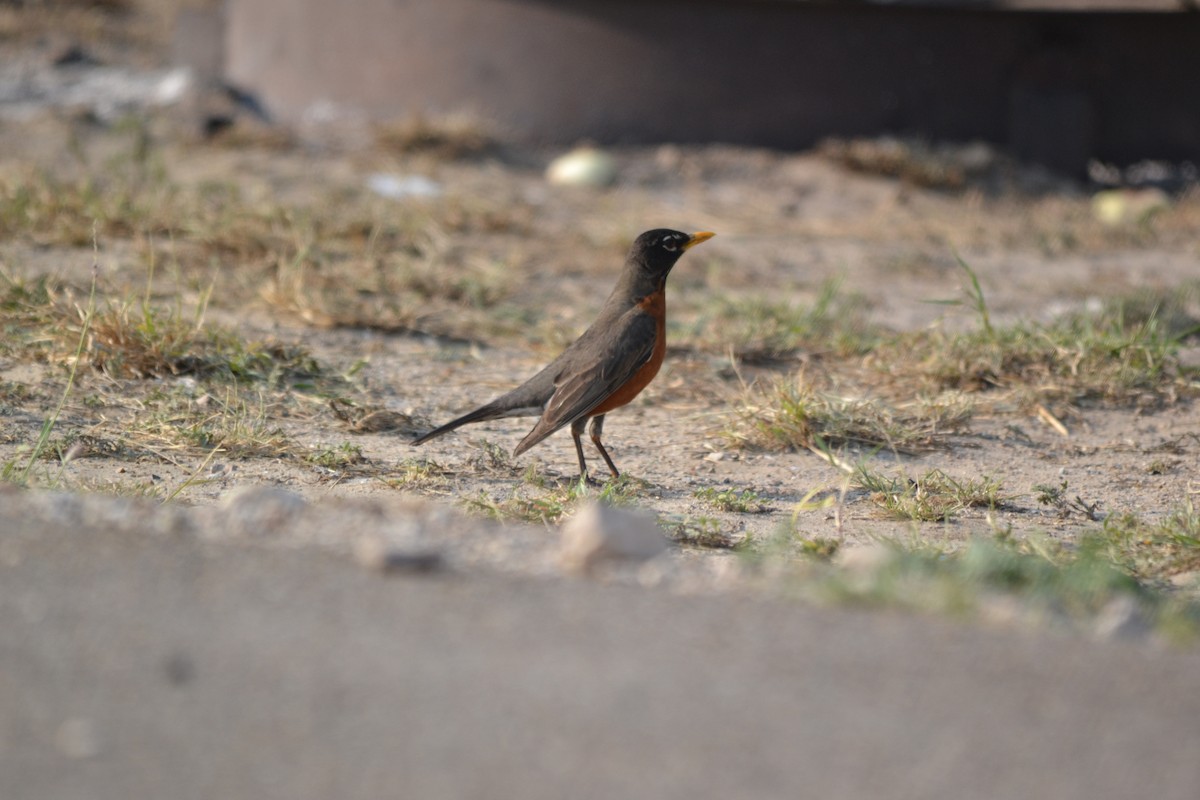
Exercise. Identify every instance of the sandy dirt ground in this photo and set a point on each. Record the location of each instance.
(786, 225)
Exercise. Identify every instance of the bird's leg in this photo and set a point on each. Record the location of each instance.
(576, 432)
(597, 429)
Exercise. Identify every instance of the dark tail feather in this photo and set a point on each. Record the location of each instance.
(527, 400)
(533, 437)
(478, 415)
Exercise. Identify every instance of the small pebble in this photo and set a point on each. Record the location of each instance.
(179, 669)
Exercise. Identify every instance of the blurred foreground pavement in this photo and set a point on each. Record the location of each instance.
(156, 665)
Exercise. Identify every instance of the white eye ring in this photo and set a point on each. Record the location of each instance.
(669, 244)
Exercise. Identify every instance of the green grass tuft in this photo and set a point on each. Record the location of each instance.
(541, 500)
(703, 532)
(1152, 550)
(933, 497)
(1047, 582)
(743, 502)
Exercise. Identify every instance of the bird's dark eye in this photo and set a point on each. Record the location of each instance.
(669, 244)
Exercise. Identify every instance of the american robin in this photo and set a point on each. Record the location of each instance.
(608, 365)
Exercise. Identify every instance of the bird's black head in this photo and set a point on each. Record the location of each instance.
(657, 251)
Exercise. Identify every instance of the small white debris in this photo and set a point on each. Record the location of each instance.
(599, 532)
(173, 86)
(399, 187)
(584, 166)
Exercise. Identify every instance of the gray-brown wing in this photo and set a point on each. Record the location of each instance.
(592, 376)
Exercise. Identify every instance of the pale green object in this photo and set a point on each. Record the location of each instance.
(1118, 206)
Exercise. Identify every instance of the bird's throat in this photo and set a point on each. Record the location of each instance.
(654, 304)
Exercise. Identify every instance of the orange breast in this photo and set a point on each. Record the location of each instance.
(656, 306)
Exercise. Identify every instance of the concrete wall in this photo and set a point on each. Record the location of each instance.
(1056, 87)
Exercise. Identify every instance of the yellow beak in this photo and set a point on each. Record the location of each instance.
(697, 238)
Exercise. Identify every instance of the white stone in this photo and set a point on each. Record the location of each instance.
(1122, 618)
(600, 532)
(585, 166)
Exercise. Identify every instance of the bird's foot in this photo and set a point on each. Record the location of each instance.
(586, 480)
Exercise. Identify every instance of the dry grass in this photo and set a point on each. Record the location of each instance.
(916, 162)
(1113, 357)
(1126, 355)
(131, 342)
(791, 414)
(105, 23)
(1085, 358)
(29, 318)
(42, 320)
(235, 393)
(762, 330)
(237, 426)
(345, 259)
(540, 500)
(423, 286)
(1175, 312)
(1154, 551)
(451, 136)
